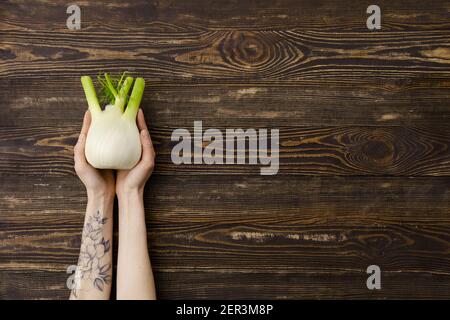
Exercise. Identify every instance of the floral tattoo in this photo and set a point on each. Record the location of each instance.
(93, 248)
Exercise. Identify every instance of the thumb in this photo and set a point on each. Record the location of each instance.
(148, 153)
(79, 149)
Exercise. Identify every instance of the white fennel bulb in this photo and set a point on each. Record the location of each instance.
(113, 140)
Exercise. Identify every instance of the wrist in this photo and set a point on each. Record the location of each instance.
(100, 194)
(131, 211)
(101, 201)
(130, 193)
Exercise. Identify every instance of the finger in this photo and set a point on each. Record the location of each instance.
(86, 122)
(141, 121)
(148, 153)
(147, 162)
(146, 140)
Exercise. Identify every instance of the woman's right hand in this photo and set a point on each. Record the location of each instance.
(96, 181)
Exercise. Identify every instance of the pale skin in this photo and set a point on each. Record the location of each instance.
(94, 271)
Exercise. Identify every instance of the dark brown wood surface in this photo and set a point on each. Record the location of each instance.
(364, 144)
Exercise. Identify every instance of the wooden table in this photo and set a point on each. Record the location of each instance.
(364, 144)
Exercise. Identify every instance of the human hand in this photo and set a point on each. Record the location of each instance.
(134, 179)
(96, 181)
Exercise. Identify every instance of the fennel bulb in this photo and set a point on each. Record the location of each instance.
(113, 140)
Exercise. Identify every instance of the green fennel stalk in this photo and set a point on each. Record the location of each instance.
(115, 92)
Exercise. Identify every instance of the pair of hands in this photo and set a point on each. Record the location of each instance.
(102, 182)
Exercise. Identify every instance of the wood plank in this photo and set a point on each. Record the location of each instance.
(244, 224)
(221, 14)
(413, 102)
(244, 246)
(231, 56)
(419, 201)
(36, 284)
(328, 151)
(300, 285)
(245, 285)
(168, 43)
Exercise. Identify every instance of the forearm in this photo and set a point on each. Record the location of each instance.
(134, 273)
(94, 270)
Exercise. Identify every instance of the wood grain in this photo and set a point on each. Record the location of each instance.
(236, 56)
(407, 102)
(242, 246)
(178, 285)
(364, 144)
(267, 199)
(325, 229)
(166, 44)
(380, 150)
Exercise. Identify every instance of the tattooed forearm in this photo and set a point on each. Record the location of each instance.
(94, 263)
